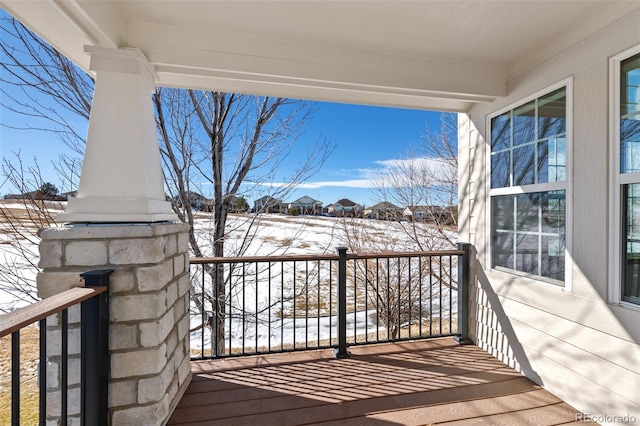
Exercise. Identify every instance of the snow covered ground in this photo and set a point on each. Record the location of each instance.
(281, 235)
(266, 235)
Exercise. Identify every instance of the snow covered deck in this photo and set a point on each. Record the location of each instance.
(411, 383)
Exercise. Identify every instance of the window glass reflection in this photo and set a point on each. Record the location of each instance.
(500, 169)
(524, 124)
(501, 132)
(535, 137)
(630, 115)
(529, 233)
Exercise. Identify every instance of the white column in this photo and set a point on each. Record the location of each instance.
(121, 178)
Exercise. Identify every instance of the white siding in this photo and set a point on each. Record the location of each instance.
(571, 340)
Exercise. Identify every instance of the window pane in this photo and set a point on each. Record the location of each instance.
(527, 254)
(552, 160)
(552, 110)
(524, 123)
(535, 136)
(631, 263)
(630, 162)
(500, 132)
(630, 86)
(552, 258)
(630, 115)
(502, 250)
(553, 217)
(502, 214)
(528, 212)
(528, 233)
(500, 173)
(524, 165)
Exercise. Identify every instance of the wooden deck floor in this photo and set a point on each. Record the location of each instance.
(414, 383)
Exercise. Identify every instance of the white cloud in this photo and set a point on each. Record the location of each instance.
(350, 183)
(365, 178)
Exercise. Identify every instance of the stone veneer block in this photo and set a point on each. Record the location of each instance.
(54, 345)
(154, 333)
(51, 283)
(138, 251)
(184, 285)
(153, 278)
(122, 281)
(123, 336)
(137, 307)
(149, 321)
(171, 245)
(172, 341)
(138, 363)
(178, 265)
(50, 254)
(183, 242)
(123, 393)
(172, 293)
(141, 415)
(154, 388)
(85, 253)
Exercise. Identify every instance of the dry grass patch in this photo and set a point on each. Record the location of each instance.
(424, 330)
(29, 353)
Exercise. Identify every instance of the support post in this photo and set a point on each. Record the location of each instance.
(341, 351)
(463, 294)
(94, 397)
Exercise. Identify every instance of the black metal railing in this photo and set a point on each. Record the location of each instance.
(94, 356)
(251, 305)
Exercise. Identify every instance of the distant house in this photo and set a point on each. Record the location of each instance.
(268, 204)
(427, 213)
(36, 195)
(383, 211)
(70, 194)
(14, 197)
(345, 208)
(306, 205)
(196, 201)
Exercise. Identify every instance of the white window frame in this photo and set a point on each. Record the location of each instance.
(566, 185)
(618, 179)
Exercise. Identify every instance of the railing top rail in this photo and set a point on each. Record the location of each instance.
(313, 257)
(20, 318)
(249, 259)
(384, 255)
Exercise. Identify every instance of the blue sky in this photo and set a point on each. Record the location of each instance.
(365, 137)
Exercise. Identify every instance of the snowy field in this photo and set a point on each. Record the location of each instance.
(267, 307)
(261, 312)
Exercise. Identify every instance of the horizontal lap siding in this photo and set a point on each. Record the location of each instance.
(595, 369)
(572, 341)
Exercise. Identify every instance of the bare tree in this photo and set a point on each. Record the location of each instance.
(404, 291)
(33, 207)
(224, 141)
(211, 142)
(42, 85)
(427, 181)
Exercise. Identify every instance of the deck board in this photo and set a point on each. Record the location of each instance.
(410, 383)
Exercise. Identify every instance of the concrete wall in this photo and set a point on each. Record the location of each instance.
(149, 314)
(573, 341)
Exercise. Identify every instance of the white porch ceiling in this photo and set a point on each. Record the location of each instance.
(434, 54)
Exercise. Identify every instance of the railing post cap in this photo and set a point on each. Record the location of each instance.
(97, 277)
